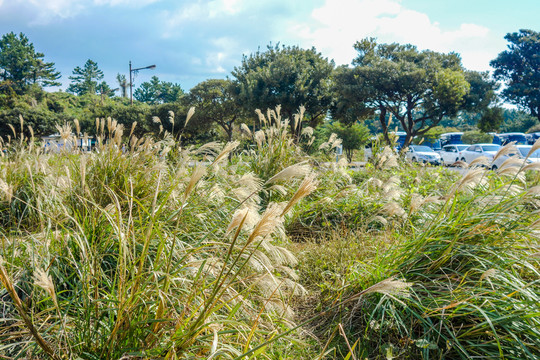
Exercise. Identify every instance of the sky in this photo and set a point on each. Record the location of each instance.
(192, 41)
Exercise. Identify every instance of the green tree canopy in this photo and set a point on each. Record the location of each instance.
(158, 92)
(21, 65)
(519, 67)
(286, 76)
(491, 120)
(85, 80)
(419, 88)
(215, 103)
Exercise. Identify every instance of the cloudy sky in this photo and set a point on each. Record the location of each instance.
(191, 41)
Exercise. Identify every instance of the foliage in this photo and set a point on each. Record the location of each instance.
(21, 65)
(491, 120)
(289, 76)
(353, 137)
(158, 92)
(517, 121)
(86, 80)
(215, 103)
(418, 88)
(519, 67)
(476, 137)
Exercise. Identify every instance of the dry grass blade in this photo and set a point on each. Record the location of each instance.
(269, 222)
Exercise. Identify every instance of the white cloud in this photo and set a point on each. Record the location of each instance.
(334, 31)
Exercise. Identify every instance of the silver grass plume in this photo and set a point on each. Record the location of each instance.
(505, 150)
(296, 170)
(308, 185)
(190, 113)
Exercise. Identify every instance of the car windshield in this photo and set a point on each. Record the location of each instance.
(490, 147)
(525, 150)
(422, 148)
(462, 147)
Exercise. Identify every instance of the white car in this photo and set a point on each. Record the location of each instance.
(522, 152)
(450, 153)
(425, 154)
(477, 150)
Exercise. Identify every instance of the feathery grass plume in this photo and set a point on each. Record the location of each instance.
(43, 280)
(8, 284)
(513, 171)
(118, 133)
(390, 286)
(262, 119)
(132, 128)
(77, 127)
(196, 175)
(470, 180)
(535, 147)
(308, 185)
(190, 113)
(535, 166)
(13, 130)
(260, 138)
(102, 126)
(488, 273)
(307, 131)
(298, 117)
(505, 150)
(393, 209)
(156, 120)
(160, 129)
(171, 117)
(97, 125)
(6, 190)
(244, 129)
(21, 123)
(230, 146)
(246, 214)
(296, 170)
(480, 161)
(533, 191)
(511, 162)
(271, 219)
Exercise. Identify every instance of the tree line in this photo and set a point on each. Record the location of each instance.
(386, 86)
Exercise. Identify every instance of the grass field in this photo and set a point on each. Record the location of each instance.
(253, 250)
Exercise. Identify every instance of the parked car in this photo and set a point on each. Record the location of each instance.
(425, 154)
(450, 153)
(522, 151)
(477, 150)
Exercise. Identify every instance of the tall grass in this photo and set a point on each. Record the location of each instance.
(146, 248)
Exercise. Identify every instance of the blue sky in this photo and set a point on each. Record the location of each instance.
(191, 41)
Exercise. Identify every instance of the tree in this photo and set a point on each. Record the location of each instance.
(519, 67)
(491, 120)
(286, 76)
(123, 83)
(21, 65)
(353, 136)
(476, 137)
(215, 104)
(419, 88)
(158, 92)
(85, 80)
